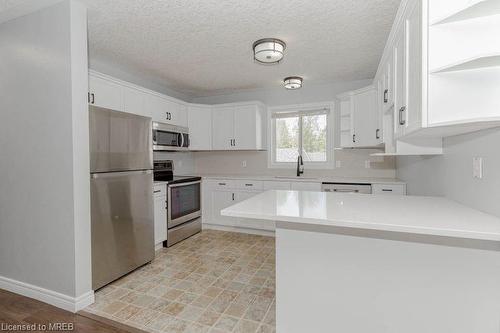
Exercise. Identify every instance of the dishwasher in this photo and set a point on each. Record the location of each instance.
(347, 188)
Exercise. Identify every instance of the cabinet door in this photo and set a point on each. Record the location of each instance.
(200, 128)
(105, 93)
(365, 118)
(245, 128)
(303, 186)
(134, 102)
(222, 128)
(177, 113)
(380, 112)
(221, 200)
(400, 82)
(160, 218)
(346, 124)
(414, 66)
(388, 83)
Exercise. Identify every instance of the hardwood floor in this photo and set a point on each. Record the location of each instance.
(20, 310)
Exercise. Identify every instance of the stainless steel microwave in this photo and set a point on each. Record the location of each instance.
(169, 137)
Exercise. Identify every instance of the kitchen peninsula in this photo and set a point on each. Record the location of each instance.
(375, 263)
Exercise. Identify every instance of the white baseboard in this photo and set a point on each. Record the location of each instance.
(238, 229)
(65, 302)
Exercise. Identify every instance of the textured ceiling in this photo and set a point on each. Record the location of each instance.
(203, 47)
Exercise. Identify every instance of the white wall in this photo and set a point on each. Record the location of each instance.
(184, 163)
(44, 201)
(230, 163)
(450, 175)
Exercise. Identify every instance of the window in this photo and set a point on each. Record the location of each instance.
(300, 132)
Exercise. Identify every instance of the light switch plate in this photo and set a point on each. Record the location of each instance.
(477, 167)
(243, 164)
(367, 164)
(338, 164)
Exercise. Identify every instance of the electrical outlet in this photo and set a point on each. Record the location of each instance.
(243, 164)
(477, 167)
(367, 164)
(338, 164)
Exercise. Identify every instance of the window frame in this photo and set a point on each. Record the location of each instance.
(311, 107)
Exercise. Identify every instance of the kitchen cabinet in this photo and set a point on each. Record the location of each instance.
(105, 93)
(442, 60)
(200, 127)
(166, 111)
(359, 118)
(134, 101)
(239, 127)
(160, 213)
(222, 128)
(305, 186)
(221, 199)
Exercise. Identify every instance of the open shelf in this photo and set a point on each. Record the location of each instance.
(477, 8)
(472, 63)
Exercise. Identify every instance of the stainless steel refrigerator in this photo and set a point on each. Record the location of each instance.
(121, 182)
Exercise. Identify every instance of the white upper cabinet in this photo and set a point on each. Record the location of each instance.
(105, 93)
(200, 127)
(238, 127)
(441, 70)
(359, 118)
(222, 128)
(134, 101)
(164, 110)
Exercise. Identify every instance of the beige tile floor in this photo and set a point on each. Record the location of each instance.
(214, 282)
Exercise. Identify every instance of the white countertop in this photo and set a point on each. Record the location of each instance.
(159, 183)
(406, 214)
(331, 179)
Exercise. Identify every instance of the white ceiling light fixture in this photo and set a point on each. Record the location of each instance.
(268, 51)
(293, 82)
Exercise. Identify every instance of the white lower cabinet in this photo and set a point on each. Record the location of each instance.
(160, 213)
(305, 186)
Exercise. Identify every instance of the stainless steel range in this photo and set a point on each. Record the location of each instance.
(183, 202)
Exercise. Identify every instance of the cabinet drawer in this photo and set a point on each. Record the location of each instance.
(397, 189)
(249, 184)
(160, 190)
(221, 184)
(270, 185)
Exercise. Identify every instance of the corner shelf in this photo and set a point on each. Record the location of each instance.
(471, 63)
(478, 8)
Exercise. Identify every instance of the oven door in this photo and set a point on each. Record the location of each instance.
(184, 202)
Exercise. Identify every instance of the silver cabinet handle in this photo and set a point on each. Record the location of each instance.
(386, 190)
(222, 184)
(233, 196)
(386, 92)
(354, 138)
(401, 111)
(377, 134)
(157, 191)
(248, 184)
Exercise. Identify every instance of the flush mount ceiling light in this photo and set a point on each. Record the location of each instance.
(293, 82)
(268, 50)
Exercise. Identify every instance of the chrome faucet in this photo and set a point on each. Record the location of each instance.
(300, 166)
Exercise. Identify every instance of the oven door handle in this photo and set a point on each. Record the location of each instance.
(185, 184)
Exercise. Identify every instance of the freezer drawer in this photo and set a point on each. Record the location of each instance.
(122, 224)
